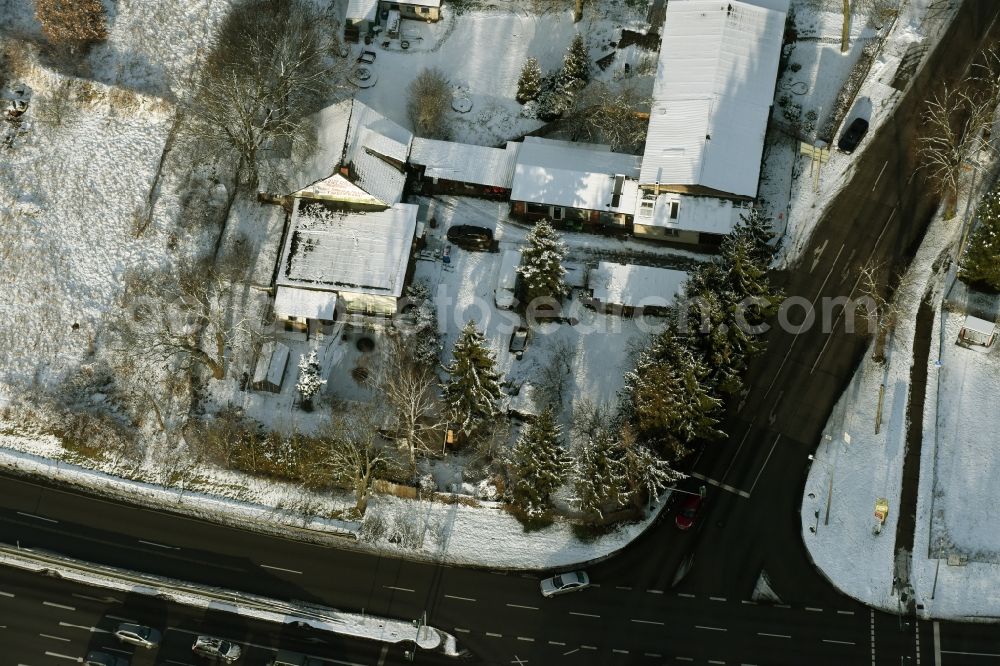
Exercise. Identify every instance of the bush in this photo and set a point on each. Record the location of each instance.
(428, 104)
(72, 23)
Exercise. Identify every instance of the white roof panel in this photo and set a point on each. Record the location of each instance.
(307, 303)
(358, 10)
(712, 94)
(372, 140)
(361, 253)
(629, 285)
(465, 163)
(703, 214)
(980, 325)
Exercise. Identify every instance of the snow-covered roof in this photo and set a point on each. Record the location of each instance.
(712, 94)
(323, 157)
(419, 3)
(338, 188)
(987, 328)
(361, 10)
(361, 253)
(306, 303)
(271, 364)
(373, 143)
(703, 214)
(465, 163)
(625, 284)
(557, 173)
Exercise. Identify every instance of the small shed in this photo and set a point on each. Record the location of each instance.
(626, 288)
(270, 370)
(977, 331)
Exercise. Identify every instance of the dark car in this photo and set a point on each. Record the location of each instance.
(518, 341)
(97, 658)
(470, 237)
(688, 511)
(852, 136)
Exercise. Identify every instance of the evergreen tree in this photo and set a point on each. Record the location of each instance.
(309, 382)
(599, 475)
(576, 63)
(472, 393)
(758, 230)
(538, 465)
(981, 264)
(670, 400)
(529, 85)
(541, 268)
(423, 334)
(646, 475)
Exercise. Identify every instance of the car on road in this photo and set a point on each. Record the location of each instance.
(217, 649)
(470, 237)
(136, 634)
(97, 658)
(688, 512)
(852, 136)
(518, 341)
(570, 581)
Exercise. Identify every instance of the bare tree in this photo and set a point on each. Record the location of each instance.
(410, 390)
(881, 313)
(72, 24)
(270, 68)
(610, 115)
(354, 457)
(954, 124)
(429, 102)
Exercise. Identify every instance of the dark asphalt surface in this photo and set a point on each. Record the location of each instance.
(636, 615)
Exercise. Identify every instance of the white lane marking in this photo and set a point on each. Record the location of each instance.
(715, 661)
(717, 598)
(782, 606)
(971, 654)
(104, 600)
(684, 658)
(762, 633)
(617, 651)
(937, 644)
(55, 638)
(461, 630)
(655, 591)
(814, 610)
(875, 184)
(654, 655)
(55, 605)
(492, 635)
(818, 254)
(588, 647)
(845, 612)
(685, 595)
(557, 643)
(571, 651)
(524, 607)
(61, 656)
(748, 602)
(622, 587)
(584, 614)
(398, 589)
(159, 545)
(656, 622)
(31, 515)
(830, 640)
(452, 596)
(291, 571)
(699, 626)
(382, 655)
(526, 639)
(719, 484)
(762, 467)
(6, 594)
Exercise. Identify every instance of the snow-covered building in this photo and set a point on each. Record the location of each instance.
(360, 18)
(976, 331)
(269, 373)
(376, 153)
(684, 218)
(446, 167)
(712, 95)
(357, 261)
(425, 10)
(336, 189)
(628, 288)
(585, 183)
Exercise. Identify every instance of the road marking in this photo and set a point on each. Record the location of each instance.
(762, 633)
(715, 661)
(655, 591)
(685, 595)
(61, 656)
(875, 184)
(105, 600)
(739, 448)
(654, 655)
(718, 484)
(492, 635)
(292, 571)
(782, 606)
(617, 651)
(656, 622)
(814, 610)
(622, 587)
(916, 635)
(461, 630)
(872, 623)
(31, 515)
(684, 658)
(382, 655)
(557, 643)
(160, 545)
(526, 639)
(524, 607)
(717, 598)
(55, 605)
(6, 594)
(698, 626)
(845, 612)
(398, 589)
(587, 647)
(571, 651)
(818, 254)
(93, 630)
(830, 640)
(937, 644)
(761, 470)
(971, 654)
(55, 638)
(584, 614)
(451, 596)
(748, 602)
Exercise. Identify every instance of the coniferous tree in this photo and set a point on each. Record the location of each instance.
(309, 382)
(980, 266)
(529, 85)
(599, 474)
(423, 335)
(541, 268)
(538, 465)
(576, 63)
(472, 393)
(646, 475)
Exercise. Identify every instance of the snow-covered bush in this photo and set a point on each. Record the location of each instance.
(529, 84)
(429, 103)
(541, 267)
(309, 383)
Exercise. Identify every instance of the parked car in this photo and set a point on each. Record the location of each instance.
(470, 237)
(518, 341)
(688, 512)
(97, 658)
(135, 634)
(216, 648)
(853, 135)
(570, 581)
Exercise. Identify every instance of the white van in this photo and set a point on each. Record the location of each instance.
(503, 295)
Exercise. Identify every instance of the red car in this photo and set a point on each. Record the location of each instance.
(688, 511)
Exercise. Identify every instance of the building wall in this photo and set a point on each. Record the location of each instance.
(660, 233)
(412, 11)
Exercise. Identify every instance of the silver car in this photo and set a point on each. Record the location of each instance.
(135, 634)
(570, 581)
(216, 648)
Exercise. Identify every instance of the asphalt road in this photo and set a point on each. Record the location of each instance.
(639, 612)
